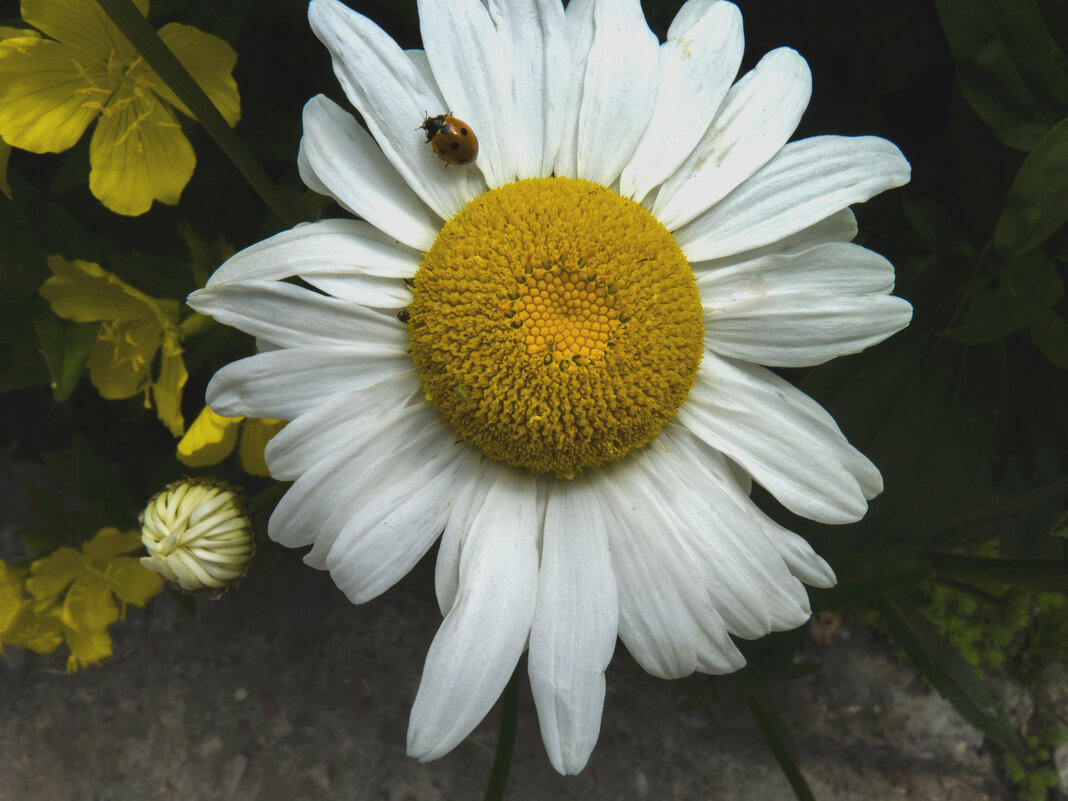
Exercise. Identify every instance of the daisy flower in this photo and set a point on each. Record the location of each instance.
(555, 358)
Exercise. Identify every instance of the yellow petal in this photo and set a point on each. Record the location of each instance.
(131, 582)
(138, 153)
(11, 598)
(51, 574)
(79, 23)
(86, 648)
(88, 605)
(49, 93)
(84, 292)
(209, 440)
(40, 634)
(254, 438)
(167, 391)
(7, 32)
(5, 148)
(210, 60)
(121, 362)
(109, 542)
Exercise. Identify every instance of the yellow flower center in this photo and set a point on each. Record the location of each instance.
(555, 325)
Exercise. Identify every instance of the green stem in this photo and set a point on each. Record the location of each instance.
(158, 56)
(502, 763)
(763, 710)
(266, 501)
(195, 324)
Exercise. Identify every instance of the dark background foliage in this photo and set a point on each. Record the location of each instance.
(964, 412)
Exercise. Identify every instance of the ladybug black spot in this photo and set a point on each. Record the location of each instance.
(463, 132)
(462, 161)
(455, 146)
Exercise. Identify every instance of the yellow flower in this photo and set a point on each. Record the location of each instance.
(76, 588)
(18, 623)
(211, 438)
(52, 89)
(134, 326)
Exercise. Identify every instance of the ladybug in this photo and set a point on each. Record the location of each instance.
(452, 140)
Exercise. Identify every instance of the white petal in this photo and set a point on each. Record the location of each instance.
(343, 420)
(618, 91)
(340, 156)
(697, 66)
(801, 329)
(324, 498)
(802, 561)
(364, 290)
(783, 438)
(481, 639)
(733, 532)
(689, 15)
(575, 624)
(667, 618)
(839, 227)
(534, 36)
(579, 20)
(292, 316)
(393, 94)
(805, 182)
(326, 247)
(835, 268)
(464, 510)
(422, 66)
(282, 384)
(759, 114)
(725, 529)
(401, 517)
(473, 72)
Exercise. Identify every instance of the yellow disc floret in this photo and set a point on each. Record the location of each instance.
(555, 325)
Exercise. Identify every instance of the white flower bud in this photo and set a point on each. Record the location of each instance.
(197, 534)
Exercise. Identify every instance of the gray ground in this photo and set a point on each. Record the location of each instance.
(281, 690)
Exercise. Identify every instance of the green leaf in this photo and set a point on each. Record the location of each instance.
(1045, 574)
(1049, 333)
(1008, 66)
(925, 410)
(1028, 290)
(930, 220)
(1037, 204)
(22, 265)
(66, 347)
(94, 480)
(942, 665)
(780, 743)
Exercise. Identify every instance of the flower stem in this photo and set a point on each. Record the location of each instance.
(763, 710)
(502, 763)
(158, 56)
